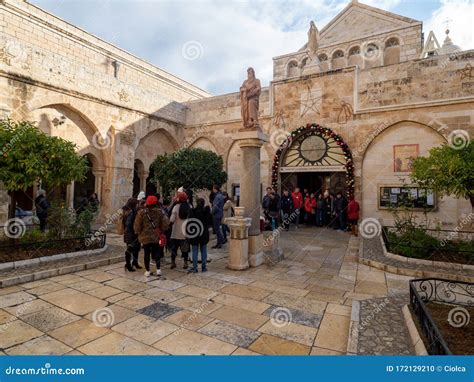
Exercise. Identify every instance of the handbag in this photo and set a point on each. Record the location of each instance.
(161, 235)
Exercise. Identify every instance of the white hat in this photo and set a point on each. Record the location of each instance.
(181, 189)
(141, 195)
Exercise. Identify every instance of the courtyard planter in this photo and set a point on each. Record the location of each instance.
(442, 311)
(455, 247)
(17, 250)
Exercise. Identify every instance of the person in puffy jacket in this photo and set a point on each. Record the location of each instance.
(178, 217)
(197, 232)
(129, 236)
(353, 215)
(149, 223)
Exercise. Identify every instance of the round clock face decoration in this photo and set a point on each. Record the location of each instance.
(313, 150)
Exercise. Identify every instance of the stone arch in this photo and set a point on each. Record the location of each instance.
(335, 157)
(78, 107)
(379, 129)
(292, 69)
(204, 143)
(391, 54)
(324, 62)
(156, 142)
(372, 53)
(376, 173)
(338, 59)
(354, 57)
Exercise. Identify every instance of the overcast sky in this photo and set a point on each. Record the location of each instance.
(211, 43)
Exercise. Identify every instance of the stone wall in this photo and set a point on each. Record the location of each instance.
(38, 45)
(409, 48)
(408, 91)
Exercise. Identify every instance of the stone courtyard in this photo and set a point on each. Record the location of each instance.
(301, 305)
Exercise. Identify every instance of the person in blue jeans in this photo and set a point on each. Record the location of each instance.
(217, 214)
(197, 233)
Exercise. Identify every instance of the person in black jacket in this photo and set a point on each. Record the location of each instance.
(129, 235)
(339, 211)
(197, 233)
(286, 206)
(42, 206)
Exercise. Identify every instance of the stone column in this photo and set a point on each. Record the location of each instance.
(70, 195)
(143, 177)
(251, 142)
(238, 243)
(99, 176)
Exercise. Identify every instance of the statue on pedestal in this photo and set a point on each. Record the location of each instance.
(313, 39)
(249, 100)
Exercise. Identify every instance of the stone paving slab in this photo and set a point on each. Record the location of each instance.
(234, 334)
(159, 310)
(382, 328)
(218, 312)
(297, 316)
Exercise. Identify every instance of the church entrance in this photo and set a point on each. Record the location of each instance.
(314, 158)
(315, 182)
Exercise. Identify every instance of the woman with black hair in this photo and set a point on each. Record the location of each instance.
(129, 236)
(178, 217)
(200, 219)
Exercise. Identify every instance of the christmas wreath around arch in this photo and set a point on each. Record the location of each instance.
(325, 133)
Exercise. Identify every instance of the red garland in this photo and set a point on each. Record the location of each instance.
(323, 131)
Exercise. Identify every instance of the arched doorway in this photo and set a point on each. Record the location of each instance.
(314, 158)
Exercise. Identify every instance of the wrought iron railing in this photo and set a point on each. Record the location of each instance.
(437, 290)
(94, 239)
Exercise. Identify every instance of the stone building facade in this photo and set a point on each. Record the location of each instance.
(370, 104)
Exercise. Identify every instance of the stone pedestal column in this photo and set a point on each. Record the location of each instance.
(70, 195)
(251, 142)
(238, 243)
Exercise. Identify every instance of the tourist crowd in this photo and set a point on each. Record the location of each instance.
(177, 227)
(310, 208)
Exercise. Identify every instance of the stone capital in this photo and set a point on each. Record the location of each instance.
(251, 138)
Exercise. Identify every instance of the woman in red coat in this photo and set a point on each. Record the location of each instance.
(353, 214)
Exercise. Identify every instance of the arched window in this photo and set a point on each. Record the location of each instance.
(338, 54)
(304, 62)
(392, 51)
(292, 69)
(323, 57)
(392, 41)
(354, 50)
